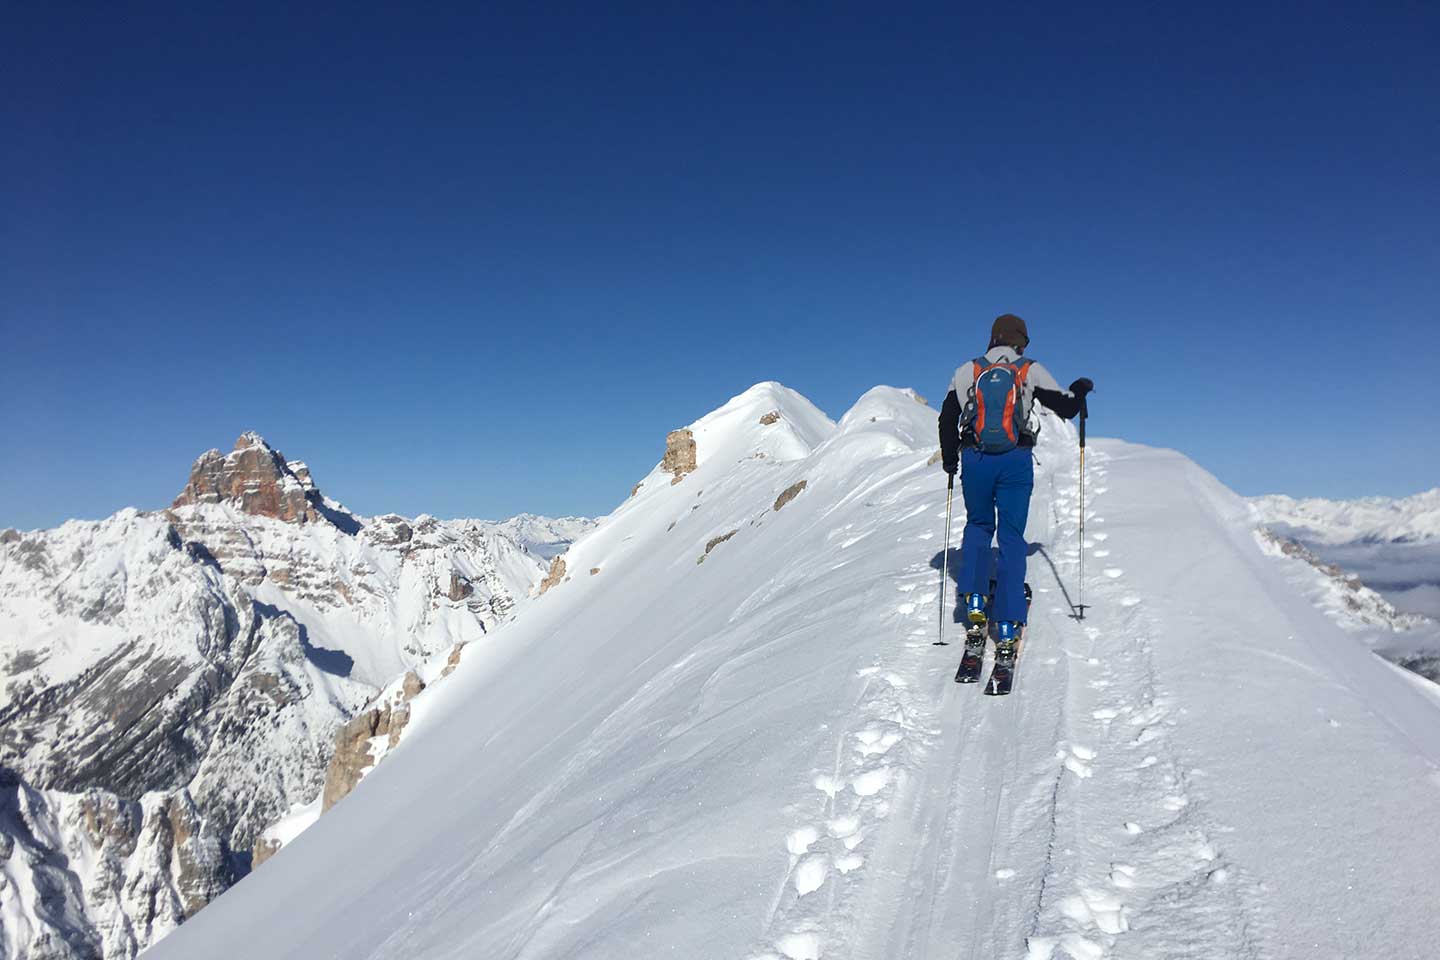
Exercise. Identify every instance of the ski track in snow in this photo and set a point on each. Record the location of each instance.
(941, 829)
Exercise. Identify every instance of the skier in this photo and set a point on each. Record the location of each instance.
(985, 423)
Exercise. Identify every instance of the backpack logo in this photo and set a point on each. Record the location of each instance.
(993, 410)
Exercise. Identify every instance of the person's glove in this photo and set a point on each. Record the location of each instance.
(1082, 386)
(951, 467)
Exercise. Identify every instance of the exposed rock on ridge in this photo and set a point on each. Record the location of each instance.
(790, 493)
(386, 717)
(556, 574)
(679, 454)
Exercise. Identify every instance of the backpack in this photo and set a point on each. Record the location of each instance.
(993, 420)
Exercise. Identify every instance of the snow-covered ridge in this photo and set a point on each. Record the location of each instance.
(724, 731)
(203, 658)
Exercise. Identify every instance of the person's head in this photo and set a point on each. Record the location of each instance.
(1009, 330)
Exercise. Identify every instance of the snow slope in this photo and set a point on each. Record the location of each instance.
(762, 754)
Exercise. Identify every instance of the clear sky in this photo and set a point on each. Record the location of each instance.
(473, 263)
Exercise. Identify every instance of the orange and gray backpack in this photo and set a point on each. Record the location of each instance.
(993, 420)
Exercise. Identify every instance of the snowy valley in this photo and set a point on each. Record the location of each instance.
(174, 682)
(723, 730)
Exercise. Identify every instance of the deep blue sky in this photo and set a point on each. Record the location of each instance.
(478, 263)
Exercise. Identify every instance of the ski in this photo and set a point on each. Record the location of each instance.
(1002, 674)
(972, 664)
(974, 659)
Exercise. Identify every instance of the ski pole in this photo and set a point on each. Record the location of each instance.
(1080, 591)
(945, 557)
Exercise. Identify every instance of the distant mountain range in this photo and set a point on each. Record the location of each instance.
(1413, 519)
(174, 681)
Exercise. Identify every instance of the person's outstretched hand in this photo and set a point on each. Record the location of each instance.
(1082, 386)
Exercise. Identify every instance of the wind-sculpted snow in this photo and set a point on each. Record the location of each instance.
(204, 657)
(764, 756)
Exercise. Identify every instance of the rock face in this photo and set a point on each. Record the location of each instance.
(256, 479)
(117, 874)
(790, 493)
(679, 456)
(385, 717)
(360, 746)
(715, 542)
(556, 574)
(182, 676)
(769, 419)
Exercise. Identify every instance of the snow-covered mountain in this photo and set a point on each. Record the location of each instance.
(174, 682)
(723, 731)
(545, 537)
(1375, 519)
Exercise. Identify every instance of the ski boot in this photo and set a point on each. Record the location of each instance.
(975, 604)
(1007, 646)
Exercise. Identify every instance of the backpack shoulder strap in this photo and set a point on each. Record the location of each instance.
(1022, 371)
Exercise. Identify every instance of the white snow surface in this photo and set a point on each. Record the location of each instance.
(764, 756)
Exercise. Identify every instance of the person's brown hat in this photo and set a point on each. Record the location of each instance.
(1009, 330)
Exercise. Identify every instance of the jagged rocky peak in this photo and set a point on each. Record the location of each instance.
(257, 479)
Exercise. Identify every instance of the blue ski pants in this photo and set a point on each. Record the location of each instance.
(997, 488)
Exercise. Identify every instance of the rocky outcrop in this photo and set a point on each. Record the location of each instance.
(453, 660)
(772, 417)
(679, 454)
(256, 479)
(460, 587)
(265, 848)
(715, 542)
(556, 574)
(354, 748)
(1347, 598)
(389, 530)
(789, 493)
(360, 746)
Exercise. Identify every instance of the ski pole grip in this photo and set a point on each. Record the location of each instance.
(1084, 415)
